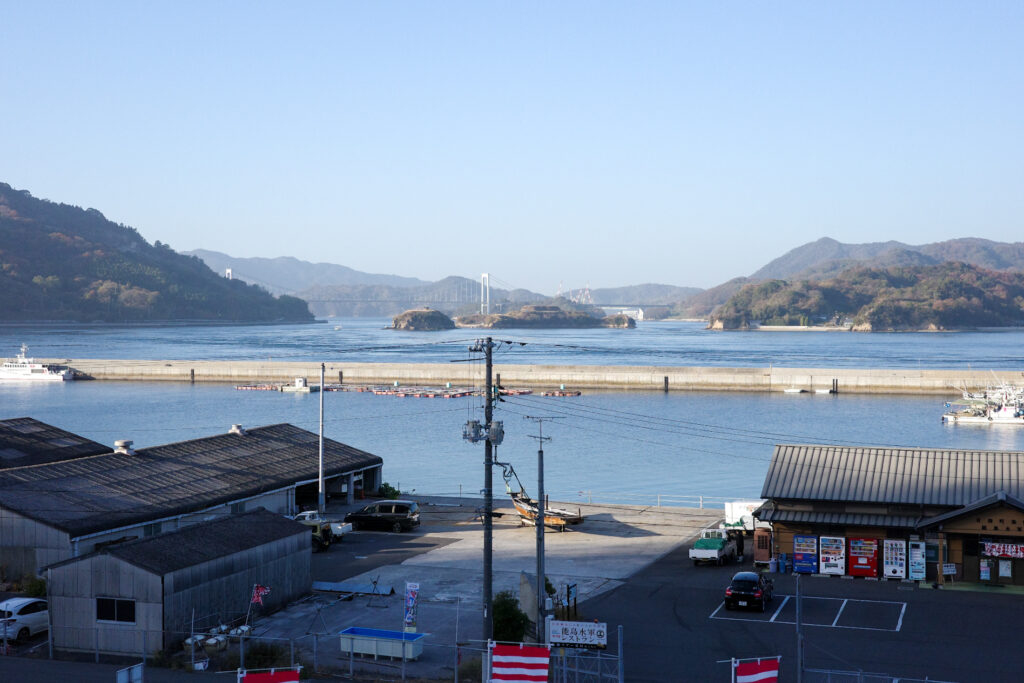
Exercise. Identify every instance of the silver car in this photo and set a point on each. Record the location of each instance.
(22, 618)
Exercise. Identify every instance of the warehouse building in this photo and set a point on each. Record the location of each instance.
(898, 513)
(67, 508)
(146, 595)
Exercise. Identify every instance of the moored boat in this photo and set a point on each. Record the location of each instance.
(999, 405)
(24, 368)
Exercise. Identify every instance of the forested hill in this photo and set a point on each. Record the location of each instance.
(947, 296)
(62, 262)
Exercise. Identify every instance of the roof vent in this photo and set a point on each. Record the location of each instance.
(236, 429)
(124, 447)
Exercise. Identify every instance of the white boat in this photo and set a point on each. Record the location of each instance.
(23, 368)
(999, 405)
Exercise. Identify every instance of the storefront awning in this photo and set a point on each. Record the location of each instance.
(766, 514)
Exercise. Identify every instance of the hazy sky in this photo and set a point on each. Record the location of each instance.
(608, 143)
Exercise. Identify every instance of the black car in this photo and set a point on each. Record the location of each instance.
(749, 589)
(391, 515)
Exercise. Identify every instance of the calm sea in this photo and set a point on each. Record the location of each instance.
(611, 446)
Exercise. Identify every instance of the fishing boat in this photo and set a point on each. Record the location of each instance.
(24, 368)
(555, 518)
(1003, 404)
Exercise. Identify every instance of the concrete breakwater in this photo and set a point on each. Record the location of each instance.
(633, 378)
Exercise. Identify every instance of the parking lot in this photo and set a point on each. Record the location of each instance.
(855, 613)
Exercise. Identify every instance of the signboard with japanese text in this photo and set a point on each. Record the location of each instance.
(584, 634)
(985, 570)
(1005, 569)
(1004, 550)
(833, 555)
(949, 569)
(894, 561)
(916, 565)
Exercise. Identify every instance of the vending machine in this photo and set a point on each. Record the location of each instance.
(894, 560)
(832, 555)
(916, 565)
(805, 554)
(863, 557)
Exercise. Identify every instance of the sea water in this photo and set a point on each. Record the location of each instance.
(610, 446)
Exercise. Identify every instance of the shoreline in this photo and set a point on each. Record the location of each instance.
(567, 377)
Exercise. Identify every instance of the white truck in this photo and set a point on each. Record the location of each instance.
(739, 515)
(714, 545)
(325, 531)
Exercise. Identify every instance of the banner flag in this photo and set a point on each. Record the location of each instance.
(519, 664)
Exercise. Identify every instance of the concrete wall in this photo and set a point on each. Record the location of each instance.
(26, 545)
(650, 378)
(73, 589)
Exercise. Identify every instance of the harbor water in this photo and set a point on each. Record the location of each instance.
(627, 447)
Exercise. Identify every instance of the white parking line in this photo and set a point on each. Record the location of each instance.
(839, 613)
(775, 616)
(835, 622)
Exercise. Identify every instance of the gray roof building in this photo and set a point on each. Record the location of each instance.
(52, 511)
(91, 494)
(26, 441)
(908, 476)
(147, 594)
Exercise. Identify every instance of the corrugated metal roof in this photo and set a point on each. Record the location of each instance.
(766, 514)
(25, 441)
(102, 492)
(202, 542)
(915, 476)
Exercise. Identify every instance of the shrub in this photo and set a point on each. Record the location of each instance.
(34, 587)
(510, 622)
(389, 491)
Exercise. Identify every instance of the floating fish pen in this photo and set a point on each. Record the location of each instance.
(562, 392)
(258, 387)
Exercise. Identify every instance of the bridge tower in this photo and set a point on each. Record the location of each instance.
(485, 294)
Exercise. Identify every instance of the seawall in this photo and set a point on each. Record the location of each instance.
(634, 378)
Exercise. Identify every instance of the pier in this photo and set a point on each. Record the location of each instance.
(551, 377)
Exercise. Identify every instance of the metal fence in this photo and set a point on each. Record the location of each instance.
(838, 676)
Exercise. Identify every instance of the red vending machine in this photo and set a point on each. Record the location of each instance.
(863, 557)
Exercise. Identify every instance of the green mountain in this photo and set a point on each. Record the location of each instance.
(64, 263)
(950, 295)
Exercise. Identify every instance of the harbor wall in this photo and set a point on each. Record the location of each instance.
(634, 378)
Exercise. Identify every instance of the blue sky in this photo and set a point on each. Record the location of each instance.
(577, 142)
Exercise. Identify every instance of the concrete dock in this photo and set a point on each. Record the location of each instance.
(632, 378)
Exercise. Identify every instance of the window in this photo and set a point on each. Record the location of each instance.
(238, 508)
(114, 609)
(151, 530)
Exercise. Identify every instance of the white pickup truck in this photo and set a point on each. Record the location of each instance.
(325, 531)
(714, 545)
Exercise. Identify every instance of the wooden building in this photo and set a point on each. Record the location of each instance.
(950, 513)
(145, 595)
(69, 507)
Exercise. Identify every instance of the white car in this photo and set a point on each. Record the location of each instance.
(21, 618)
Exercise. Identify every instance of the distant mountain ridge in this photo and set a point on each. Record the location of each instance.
(287, 275)
(827, 257)
(950, 295)
(63, 263)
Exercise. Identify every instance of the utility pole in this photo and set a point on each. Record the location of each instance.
(491, 434)
(539, 523)
(321, 498)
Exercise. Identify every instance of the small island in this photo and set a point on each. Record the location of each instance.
(541, 316)
(422, 320)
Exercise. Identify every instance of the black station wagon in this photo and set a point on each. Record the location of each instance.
(390, 515)
(749, 589)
